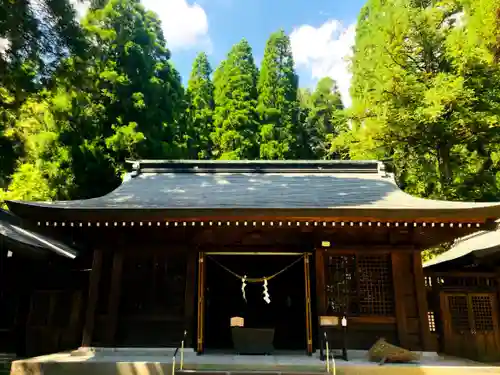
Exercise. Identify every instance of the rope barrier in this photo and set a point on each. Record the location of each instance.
(255, 279)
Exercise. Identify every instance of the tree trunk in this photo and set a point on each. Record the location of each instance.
(445, 172)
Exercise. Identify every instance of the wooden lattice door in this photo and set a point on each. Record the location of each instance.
(471, 325)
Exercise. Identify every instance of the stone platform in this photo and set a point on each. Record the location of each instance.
(154, 361)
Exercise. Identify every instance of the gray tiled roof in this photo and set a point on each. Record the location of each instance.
(11, 230)
(266, 185)
(477, 244)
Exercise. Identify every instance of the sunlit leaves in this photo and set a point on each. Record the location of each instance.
(236, 122)
(426, 91)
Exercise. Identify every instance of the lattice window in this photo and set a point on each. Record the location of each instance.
(359, 285)
(375, 285)
(483, 313)
(341, 283)
(459, 313)
(432, 321)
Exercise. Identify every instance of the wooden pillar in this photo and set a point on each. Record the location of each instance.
(307, 279)
(422, 306)
(201, 304)
(75, 319)
(320, 281)
(189, 295)
(399, 278)
(496, 306)
(497, 281)
(438, 314)
(114, 298)
(95, 276)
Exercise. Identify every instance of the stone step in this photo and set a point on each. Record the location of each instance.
(247, 372)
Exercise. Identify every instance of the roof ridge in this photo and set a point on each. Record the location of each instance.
(257, 166)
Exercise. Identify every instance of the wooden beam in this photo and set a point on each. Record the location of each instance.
(461, 274)
(372, 249)
(256, 253)
(94, 278)
(114, 298)
(399, 277)
(372, 320)
(422, 306)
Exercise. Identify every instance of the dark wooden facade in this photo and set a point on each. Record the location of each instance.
(139, 285)
(145, 266)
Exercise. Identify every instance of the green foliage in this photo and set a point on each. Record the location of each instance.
(83, 97)
(77, 99)
(128, 103)
(435, 251)
(277, 101)
(38, 36)
(200, 92)
(235, 94)
(325, 119)
(425, 93)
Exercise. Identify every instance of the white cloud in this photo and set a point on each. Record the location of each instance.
(325, 51)
(184, 25)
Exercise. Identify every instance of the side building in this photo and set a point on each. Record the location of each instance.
(463, 288)
(171, 248)
(31, 267)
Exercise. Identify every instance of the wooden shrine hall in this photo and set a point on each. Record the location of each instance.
(278, 245)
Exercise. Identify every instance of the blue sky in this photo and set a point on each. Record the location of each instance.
(322, 32)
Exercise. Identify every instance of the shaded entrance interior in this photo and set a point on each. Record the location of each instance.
(224, 299)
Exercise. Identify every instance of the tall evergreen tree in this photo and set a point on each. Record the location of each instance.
(126, 102)
(200, 92)
(235, 119)
(325, 119)
(278, 104)
(141, 86)
(34, 37)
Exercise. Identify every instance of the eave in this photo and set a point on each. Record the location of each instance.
(481, 217)
(24, 240)
(273, 192)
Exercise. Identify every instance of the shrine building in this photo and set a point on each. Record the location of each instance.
(463, 286)
(277, 248)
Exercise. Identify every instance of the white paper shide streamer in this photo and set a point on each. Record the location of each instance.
(243, 286)
(267, 297)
